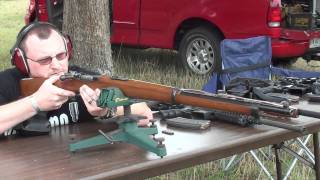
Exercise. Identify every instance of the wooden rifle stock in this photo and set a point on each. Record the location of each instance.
(145, 90)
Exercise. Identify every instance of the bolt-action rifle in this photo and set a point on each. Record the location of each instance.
(172, 95)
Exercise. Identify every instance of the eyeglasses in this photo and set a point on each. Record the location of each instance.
(47, 60)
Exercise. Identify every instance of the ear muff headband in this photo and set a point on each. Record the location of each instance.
(18, 57)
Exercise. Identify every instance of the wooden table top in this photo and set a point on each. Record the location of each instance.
(48, 157)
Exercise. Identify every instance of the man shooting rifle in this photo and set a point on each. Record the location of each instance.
(42, 51)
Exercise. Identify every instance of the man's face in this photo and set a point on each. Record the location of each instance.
(42, 49)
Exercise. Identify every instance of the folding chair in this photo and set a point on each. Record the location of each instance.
(251, 58)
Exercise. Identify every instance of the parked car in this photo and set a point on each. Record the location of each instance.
(195, 28)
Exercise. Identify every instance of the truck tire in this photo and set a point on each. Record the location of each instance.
(199, 50)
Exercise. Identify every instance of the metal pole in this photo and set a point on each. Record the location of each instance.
(278, 163)
(316, 154)
(314, 7)
(296, 159)
(261, 165)
(298, 156)
(264, 154)
(307, 150)
(226, 168)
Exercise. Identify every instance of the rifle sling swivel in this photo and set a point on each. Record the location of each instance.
(174, 93)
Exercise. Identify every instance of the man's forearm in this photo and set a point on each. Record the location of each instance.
(15, 112)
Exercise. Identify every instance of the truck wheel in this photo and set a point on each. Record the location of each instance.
(199, 50)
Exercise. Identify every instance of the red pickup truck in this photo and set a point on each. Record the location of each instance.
(195, 27)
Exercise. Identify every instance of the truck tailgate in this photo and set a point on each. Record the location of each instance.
(299, 35)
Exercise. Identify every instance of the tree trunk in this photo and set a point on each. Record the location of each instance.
(87, 23)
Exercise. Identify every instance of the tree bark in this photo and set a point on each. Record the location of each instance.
(87, 23)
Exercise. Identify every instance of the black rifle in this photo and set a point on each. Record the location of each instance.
(285, 89)
(297, 86)
(229, 117)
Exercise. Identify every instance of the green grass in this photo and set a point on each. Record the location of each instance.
(11, 20)
(160, 66)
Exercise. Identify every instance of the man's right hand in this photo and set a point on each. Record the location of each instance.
(50, 97)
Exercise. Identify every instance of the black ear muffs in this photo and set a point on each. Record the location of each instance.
(18, 57)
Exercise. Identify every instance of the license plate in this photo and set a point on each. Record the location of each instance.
(314, 43)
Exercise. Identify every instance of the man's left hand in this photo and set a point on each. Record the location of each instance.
(142, 109)
(90, 98)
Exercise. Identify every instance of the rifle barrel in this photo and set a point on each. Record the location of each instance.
(308, 113)
(298, 128)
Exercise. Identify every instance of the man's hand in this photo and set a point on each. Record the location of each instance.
(90, 98)
(142, 109)
(49, 97)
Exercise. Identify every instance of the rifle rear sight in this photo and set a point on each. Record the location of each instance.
(78, 76)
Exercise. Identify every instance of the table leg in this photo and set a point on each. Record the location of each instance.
(278, 162)
(316, 154)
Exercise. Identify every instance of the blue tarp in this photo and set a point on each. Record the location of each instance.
(249, 58)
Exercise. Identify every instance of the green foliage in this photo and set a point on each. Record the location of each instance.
(11, 20)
